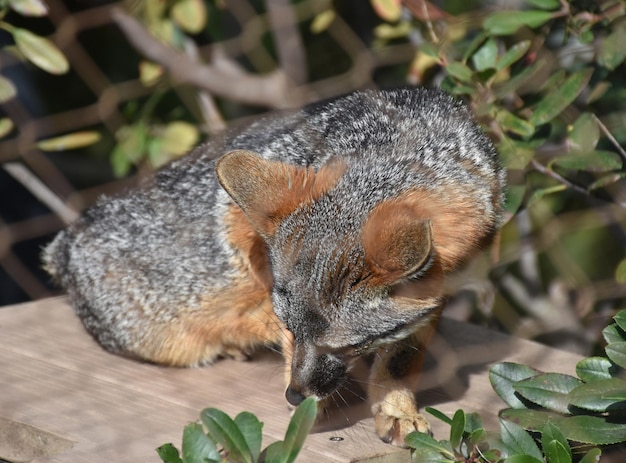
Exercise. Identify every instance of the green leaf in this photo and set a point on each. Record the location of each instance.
(522, 459)
(6, 125)
(513, 154)
(580, 428)
(542, 192)
(169, 454)
(29, 7)
(439, 415)
(459, 71)
(616, 352)
(40, 51)
(226, 433)
(473, 422)
(592, 456)
(251, 429)
(427, 455)
(458, 428)
(555, 445)
(613, 333)
(508, 22)
(504, 375)
(517, 440)
(513, 197)
(190, 15)
(606, 180)
(600, 395)
(197, 447)
(544, 4)
(513, 54)
(597, 161)
(620, 317)
(514, 124)
(7, 90)
(299, 427)
(550, 390)
(620, 272)
(70, 141)
(611, 52)
(419, 440)
(593, 369)
(486, 56)
(584, 134)
(560, 98)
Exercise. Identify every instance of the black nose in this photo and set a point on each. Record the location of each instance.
(294, 397)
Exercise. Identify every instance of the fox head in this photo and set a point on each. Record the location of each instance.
(346, 275)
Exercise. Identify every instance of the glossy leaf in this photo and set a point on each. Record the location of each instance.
(439, 415)
(40, 51)
(593, 369)
(555, 445)
(561, 97)
(584, 135)
(197, 447)
(597, 161)
(513, 54)
(606, 180)
(601, 395)
(421, 440)
(545, 4)
(299, 427)
(457, 428)
(580, 428)
(620, 317)
(486, 56)
(517, 440)
(540, 193)
(190, 15)
(7, 90)
(508, 22)
(251, 429)
(613, 333)
(226, 433)
(427, 455)
(592, 456)
(513, 154)
(611, 52)
(550, 390)
(514, 124)
(169, 454)
(70, 141)
(504, 375)
(522, 459)
(459, 71)
(616, 352)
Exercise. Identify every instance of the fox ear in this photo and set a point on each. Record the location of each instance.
(397, 242)
(268, 191)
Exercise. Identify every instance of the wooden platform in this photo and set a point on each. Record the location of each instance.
(62, 396)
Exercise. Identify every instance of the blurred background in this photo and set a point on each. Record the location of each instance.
(93, 93)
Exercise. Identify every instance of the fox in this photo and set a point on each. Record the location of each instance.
(327, 231)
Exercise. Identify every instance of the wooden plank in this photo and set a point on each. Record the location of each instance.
(57, 379)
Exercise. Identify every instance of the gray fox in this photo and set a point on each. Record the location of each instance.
(326, 230)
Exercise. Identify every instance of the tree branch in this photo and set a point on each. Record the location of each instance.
(222, 79)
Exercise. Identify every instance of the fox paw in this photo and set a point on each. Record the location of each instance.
(394, 429)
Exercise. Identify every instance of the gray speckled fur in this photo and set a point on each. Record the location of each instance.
(164, 242)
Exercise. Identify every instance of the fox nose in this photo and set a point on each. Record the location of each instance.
(293, 396)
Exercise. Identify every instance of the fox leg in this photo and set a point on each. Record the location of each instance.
(392, 385)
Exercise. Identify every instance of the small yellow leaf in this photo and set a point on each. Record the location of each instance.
(29, 7)
(70, 141)
(6, 125)
(190, 15)
(178, 138)
(40, 51)
(322, 21)
(389, 10)
(7, 90)
(149, 73)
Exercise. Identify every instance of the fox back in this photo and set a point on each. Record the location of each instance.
(327, 230)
